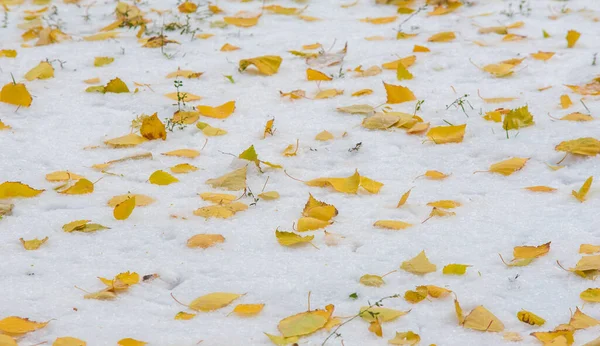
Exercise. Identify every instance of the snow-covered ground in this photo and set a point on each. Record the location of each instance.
(496, 214)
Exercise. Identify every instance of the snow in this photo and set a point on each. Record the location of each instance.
(497, 214)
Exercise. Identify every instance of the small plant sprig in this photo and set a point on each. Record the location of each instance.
(359, 314)
(248, 193)
(460, 103)
(418, 106)
(595, 56)
(5, 20)
(356, 148)
(181, 96)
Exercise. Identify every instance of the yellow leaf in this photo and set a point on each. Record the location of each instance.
(218, 198)
(68, 341)
(182, 315)
(398, 93)
(579, 320)
(140, 200)
(499, 70)
(370, 185)
(542, 55)
(156, 41)
(572, 37)
(220, 211)
(445, 204)
(345, 185)
(280, 340)
(17, 326)
(102, 36)
(308, 18)
(269, 128)
(10, 189)
(447, 134)
(403, 198)
(9, 53)
(213, 301)
(403, 36)
(33, 244)
(311, 224)
(583, 190)
(420, 49)
(4, 126)
(187, 7)
(586, 146)
(375, 327)
(517, 118)
(183, 168)
(189, 153)
(435, 175)
(587, 263)
(62, 176)
(82, 226)
(524, 252)
(328, 93)
(185, 73)
(565, 101)
(303, 323)
(42, 71)
(269, 195)
(220, 112)
(540, 188)
(324, 136)
(129, 140)
(103, 60)
(437, 292)
(242, 22)
(246, 310)
(442, 37)
(291, 239)
(371, 71)
(162, 178)
(380, 20)
(204, 36)
(105, 294)
(508, 167)
(185, 117)
(371, 280)
(405, 338)
(15, 94)
(406, 61)
(459, 312)
(530, 318)
(316, 75)
(402, 73)
(231, 181)
(576, 116)
(183, 96)
(553, 338)
(455, 269)
(362, 92)
(392, 224)
(589, 249)
(131, 342)
(228, 48)
(153, 128)
(416, 296)
(124, 209)
(319, 210)
(482, 319)
(495, 100)
(205, 241)
(419, 265)
(267, 65)
(116, 86)
(81, 187)
(440, 212)
(383, 314)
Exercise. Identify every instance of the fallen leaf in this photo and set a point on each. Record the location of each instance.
(392, 224)
(291, 239)
(267, 65)
(583, 190)
(205, 240)
(509, 166)
(585, 146)
(371, 280)
(398, 94)
(242, 22)
(18, 326)
(183, 168)
(314, 75)
(129, 140)
(220, 112)
(233, 181)
(15, 94)
(82, 226)
(447, 134)
(32, 244)
(42, 71)
(153, 128)
(246, 310)
(524, 252)
(213, 301)
(189, 153)
(162, 178)
(131, 342)
(455, 269)
(442, 37)
(482, 319)
(81, 187)
(10, 189)
(530, 318)
(405, 338)
(383, 314)
(572, 37)
(68, 341)
(182, 315)
(579, 320)
(124, 209)
(324, 136)
(419, 265)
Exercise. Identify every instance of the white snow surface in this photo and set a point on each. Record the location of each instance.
(496, 215)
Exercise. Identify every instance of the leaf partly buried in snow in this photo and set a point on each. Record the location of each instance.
(419, 265)
(213, 301)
